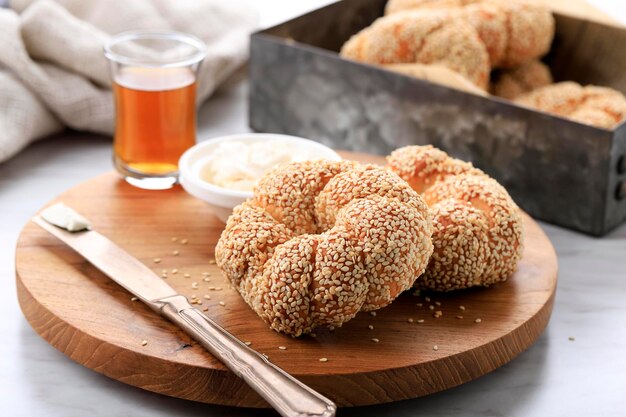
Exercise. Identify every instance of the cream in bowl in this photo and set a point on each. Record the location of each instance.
(223, 171)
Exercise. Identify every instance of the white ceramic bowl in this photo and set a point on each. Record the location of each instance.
(223, 200)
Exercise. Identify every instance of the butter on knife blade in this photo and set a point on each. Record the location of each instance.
(64, 217)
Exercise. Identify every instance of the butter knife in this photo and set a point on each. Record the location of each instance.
(282, 391)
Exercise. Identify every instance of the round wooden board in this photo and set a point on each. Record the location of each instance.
(94, 321)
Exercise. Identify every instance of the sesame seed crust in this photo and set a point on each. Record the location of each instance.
(246, 243)
(425, 37)
(592, 105)
(422, 166)
(520, 80)
(512, 32)
(358, 183)
(478, 232)
(394, 239)
(288, 192)
(288, 274)
(372, 243)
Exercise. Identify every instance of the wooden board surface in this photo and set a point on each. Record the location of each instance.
(94, 321)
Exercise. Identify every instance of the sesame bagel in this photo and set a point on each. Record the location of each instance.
(321, 241)
(477, 233)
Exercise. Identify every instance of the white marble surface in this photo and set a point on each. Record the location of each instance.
(556, 377)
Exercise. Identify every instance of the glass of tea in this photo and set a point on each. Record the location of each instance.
(154, 83)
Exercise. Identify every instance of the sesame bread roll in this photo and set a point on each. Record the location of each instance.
(425, 37)
(478, 239)
(477, 235)
(513, 32)
(321, 241)
(520, 80)
(596, 106)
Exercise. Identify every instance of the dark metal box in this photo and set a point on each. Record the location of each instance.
(556, 169)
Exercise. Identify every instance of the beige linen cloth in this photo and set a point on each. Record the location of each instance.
(53, 72)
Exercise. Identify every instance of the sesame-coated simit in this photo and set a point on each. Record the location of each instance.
(520, 80)
(596, 106)
(513, 32)
(478, 232)
(425, 37)
(299, 267)
(422, 166)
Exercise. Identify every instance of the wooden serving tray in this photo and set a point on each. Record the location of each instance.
(92, 320)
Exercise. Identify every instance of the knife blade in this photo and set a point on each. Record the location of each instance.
(282, 391)
(115, 262)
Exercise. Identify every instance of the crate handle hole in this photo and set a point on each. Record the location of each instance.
(620, 192)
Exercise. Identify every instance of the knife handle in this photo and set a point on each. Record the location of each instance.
(286, 394)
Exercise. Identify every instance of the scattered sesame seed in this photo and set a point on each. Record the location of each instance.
(164, 271)
(205, 309)
(459, 317)
(416, 293)
(157, 260)
(175, 253)
(207, 297)
(218, 288)
(375, 340)
(431, 307)
(206, 279)
(427, 299)
(187, 275)
(331, 328)
(174, 271)
(211, 261)
(410, 320)
(144, 342)
(419, 304)
(420, 321)
(462, 308)
(174, 239)
(282, 347)
(323, 359)
(373, 313)
(184, 242)
(194, 285)
(134, 299)
(222, 303)
(312, 334)
(477, 320)
(437, 303)
(370, 327)
(435, 347)
(247, 343)
(164, 276)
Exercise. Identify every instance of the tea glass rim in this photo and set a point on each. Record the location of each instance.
(171, 35)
